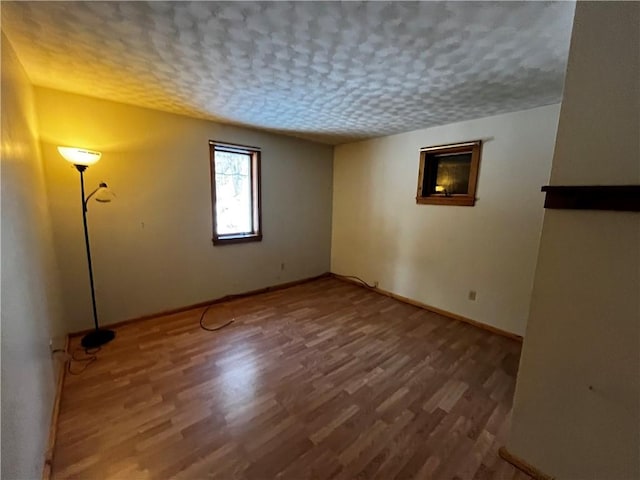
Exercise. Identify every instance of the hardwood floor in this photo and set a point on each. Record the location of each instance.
(322, 380)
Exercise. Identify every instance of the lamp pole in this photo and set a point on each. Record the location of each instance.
(98, 337)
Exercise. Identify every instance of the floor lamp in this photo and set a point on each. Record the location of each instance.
(81, 159)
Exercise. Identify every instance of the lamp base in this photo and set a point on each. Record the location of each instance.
(97, 338)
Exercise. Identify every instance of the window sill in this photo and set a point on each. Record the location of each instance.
(460, 200)
(229, 239)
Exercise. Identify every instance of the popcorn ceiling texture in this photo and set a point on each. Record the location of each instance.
(331, 72)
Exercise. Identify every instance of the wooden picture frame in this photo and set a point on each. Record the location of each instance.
(448, 174)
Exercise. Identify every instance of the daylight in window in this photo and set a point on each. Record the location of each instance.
(235, 193)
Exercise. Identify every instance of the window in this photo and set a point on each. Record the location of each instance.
(235, 193)
(448, 174)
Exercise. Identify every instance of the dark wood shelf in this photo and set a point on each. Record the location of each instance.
(624, 198)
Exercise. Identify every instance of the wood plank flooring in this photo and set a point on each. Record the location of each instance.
(322, 380)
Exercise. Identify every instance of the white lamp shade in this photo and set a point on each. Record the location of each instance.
(79, 156)
(104, 194)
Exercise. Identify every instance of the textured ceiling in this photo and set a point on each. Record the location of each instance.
(332, 72)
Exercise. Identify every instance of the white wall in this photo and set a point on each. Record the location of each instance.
(152, 247)
(29, 299)
(436, 254)
(584, 325)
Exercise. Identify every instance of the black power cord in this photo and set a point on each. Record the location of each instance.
(358, 279)
(212, 329)
(90, 357)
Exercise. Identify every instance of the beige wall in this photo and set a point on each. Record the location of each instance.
(436, 254)
(29, 299)
(152, 247)
(577, 404)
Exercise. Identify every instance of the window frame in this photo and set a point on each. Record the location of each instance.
(256, 195)
(428, 157)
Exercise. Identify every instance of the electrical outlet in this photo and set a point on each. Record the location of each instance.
(472, 295)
